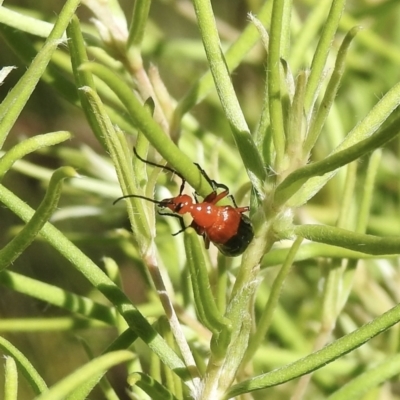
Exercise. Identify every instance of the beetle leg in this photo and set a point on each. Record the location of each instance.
(242, 210)
(234, 202)
(201, 232)
(214, 198)
(215, 185)
(210, 198)
(182, 186)
(182, 223)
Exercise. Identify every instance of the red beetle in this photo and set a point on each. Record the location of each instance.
(225, 226)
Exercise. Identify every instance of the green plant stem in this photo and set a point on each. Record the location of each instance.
(332, 293)
(368, 191)
(321, 53)
(285, 327)
(310, 29)
(58, 297)
(362, 220)
(262, 141)
(221, 276)
(90, 185)
(149, 385)
(218, 67)
(104, 383)
(226, 93)
(368, 380)
(35, 381)
(319, 119)
(93, 273)
(234, 56)
(368, 244)
(22, 46)
(153, 132)
(29, 146)
(238, 308)
(374, 119)
(116, 145)
(67, 324)
(77, 50)
(205, 304)
(296, 179)
(264, 35)
(10, 379)
(266, 316)
(322, 357)
(16, 99)
(144, 181)
(25, 23)
(220, 375)
(138, 23)
(151, 263)
(373, 41)
(10, 252)
(123, 341)
(274, 84)
(93, 370)
(310, 251)
(296, 129)
(163, 327)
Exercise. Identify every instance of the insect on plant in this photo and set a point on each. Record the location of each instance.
(226, 226)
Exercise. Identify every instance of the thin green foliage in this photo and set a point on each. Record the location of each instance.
(36, 382)
(75, 383)
(11, 380)
(12, 105)
(150, 386)
(12, 250)
(276, 138)
(206, 308)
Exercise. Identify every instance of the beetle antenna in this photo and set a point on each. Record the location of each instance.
(156, 165)
(138, 197)
(162, 167)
